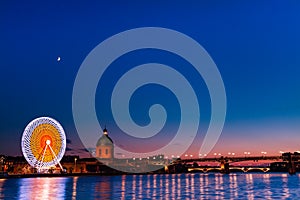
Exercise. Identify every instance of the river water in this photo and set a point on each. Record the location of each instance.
(158, 186)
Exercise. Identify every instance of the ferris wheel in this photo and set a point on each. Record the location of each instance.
(43, 143)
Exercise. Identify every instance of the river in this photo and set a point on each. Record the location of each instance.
(157, 186)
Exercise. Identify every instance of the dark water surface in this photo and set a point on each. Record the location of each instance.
(161, 186)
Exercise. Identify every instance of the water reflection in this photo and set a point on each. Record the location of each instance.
(266, 181)
(233, 186)
(1, 188)
(178, 186)
(103, 188)
(286, 192)
(249, 181)
(158, 186)
(48, 188)
(123, 183)
(74, 193)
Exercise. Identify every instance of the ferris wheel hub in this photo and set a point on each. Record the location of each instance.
(48, 142)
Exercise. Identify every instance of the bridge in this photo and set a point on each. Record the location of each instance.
(228, 164)
(231, 169)
(231, 159)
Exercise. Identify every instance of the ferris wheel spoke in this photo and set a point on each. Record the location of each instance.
(43, 156)
(56, 157)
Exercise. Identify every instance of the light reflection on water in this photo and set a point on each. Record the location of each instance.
(1, 188)
(74, 188)
(158, 186)
(44, 186)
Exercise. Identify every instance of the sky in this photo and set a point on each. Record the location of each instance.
(254, 44)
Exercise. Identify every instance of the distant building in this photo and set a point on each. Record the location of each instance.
(105, 146)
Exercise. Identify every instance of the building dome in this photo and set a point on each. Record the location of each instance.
(105, 140)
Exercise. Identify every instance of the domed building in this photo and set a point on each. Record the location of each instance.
(105, 146)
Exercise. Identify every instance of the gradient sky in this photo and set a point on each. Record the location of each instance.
(255, 44)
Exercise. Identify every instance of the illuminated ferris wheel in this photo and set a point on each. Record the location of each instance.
(43, 143)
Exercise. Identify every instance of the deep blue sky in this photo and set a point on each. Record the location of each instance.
(255, 44)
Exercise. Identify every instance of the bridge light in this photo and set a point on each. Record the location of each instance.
(264, 153)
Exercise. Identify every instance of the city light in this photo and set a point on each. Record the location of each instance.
(246, 153)
(264, 153)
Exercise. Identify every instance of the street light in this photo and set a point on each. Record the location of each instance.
(2, 163)
(246, 153)
(263, 153)
(75, 164)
